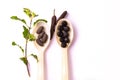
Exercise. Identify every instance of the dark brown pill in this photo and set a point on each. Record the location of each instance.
(40, 29)
(60, 34)
(44, 38)
(62, 15)
(39, 42)
(67, 40)
(61, 39)
(41, 34)
(63, 44)
(66, 28)
(59, 27)
(65, 34)
(64, 23)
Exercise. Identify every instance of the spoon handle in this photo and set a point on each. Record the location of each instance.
(65, 73)
(41, 66)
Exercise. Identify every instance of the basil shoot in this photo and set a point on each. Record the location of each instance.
(27, 35)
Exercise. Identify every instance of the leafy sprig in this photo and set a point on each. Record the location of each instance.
(29, 13)
(27, 35)
(15, 44)
(19, 19)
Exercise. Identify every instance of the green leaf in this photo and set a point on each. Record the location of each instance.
(22, 20)
(13, 43)
(34, 15)
(35, 56)
(21, 48)
(24, 59)
(26, 32)
(31, 37)
(19, 19)
(14, 17)
(40, 20)
(29, 13)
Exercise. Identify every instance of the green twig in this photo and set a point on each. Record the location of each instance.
(27, 35)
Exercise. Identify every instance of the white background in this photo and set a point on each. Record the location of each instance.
(94, 54)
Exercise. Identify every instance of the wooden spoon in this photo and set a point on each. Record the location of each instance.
(41, 49)
(65, 70)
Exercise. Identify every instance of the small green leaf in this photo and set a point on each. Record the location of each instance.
(35, 56)
(23, 21)
(26, 32)
(21, 48)
(31, 37)
(29, 13)
(40, 20)
(27, 35)
(19, 19)
(34, 15)
(14, 17)
(24, 59)
(13, 43)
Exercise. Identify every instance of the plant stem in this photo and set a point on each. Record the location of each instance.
(27, 65)
(26, 47)
(28, 69)
(30, 24)
(26, 44)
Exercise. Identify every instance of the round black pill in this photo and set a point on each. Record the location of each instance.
(61, 39)
(65, 34)
(64, 23)
(66, 28)
(60, 27)
(60, 34)
(63, 45)
(67, 40)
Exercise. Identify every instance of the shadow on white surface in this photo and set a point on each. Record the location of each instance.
(70, 68)
(46, 69)
(70, 61)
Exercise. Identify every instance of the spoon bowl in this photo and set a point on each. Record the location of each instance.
(70, 32)
(37, 26)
